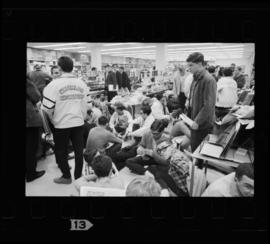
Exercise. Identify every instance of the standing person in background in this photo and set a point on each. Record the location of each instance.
(118, 76)
(125, 79)
(220, 73)
(65, 100)
(233, 67)
(39, 78)
(55, 72)
(239, 77)
(177, 83)
(110, 83)
(202, 100)
(33, 124)
(226, 93)
(212, 70)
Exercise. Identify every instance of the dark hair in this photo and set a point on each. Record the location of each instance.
(102, 165)
(102, 120)
(122, 67)
(196, 58)
(239, 68)
(152, 79)
(211, 69)
(53, 67)
(159, 125)
(94, 68)
(114, 65)
(119, 106)
(89, 111)
(159, 96)
(220, 72)
(146, 110)
(233, 64)
(228, 71)
(246, 169)
(65, 63)
(154, 67)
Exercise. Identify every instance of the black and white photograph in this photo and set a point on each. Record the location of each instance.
(140, 119)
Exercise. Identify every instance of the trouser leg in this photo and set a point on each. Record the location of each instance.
(61, 150)
(76, 137)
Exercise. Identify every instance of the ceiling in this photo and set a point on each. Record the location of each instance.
(176, 51)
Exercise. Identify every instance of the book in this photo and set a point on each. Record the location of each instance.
(186, 119)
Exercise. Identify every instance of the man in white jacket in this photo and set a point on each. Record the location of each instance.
(65, 100)
(226, 93)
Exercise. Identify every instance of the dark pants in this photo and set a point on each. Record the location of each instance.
(113, 150)
(182, 100)
(61, 138)
(221, 112)
(111, 95)
(136, 165)
(197, 137)
(32, 139)
(166, 181)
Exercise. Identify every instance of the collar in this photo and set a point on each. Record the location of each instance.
(68, 75)
(199, 74)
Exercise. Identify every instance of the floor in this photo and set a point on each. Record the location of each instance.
(44, 186)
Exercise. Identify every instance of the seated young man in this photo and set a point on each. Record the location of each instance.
(98, 140)
(93, 113)
(237, 184)
(159, 108)
(121, 121)
(102, 177)
(147, 150)
(145, 121)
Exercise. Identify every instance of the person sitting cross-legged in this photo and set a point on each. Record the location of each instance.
(103, 175)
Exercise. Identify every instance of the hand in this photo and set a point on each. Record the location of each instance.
(194, 126)
(149, 152)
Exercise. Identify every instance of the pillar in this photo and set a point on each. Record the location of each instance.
(96, 58)
(161, 56)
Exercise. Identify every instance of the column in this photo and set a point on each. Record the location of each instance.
(96, 58)
(161, 56)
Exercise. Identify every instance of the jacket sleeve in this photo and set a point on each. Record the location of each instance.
(32, 92)
(209, 101)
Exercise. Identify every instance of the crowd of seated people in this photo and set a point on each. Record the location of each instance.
(145, 145)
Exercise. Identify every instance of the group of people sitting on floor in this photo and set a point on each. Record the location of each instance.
(144, 145)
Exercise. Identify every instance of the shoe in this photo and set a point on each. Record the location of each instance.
(37, 175)
(62, 180)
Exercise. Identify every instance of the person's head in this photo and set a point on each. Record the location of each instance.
(211, 69)
(37, 67)
(195, 62)
(55, 72)
(102, 97)
(158, 127)
(228, 71)
(233, 66)
(65, 64)
(121, 70)
(237, 71)
(94, 69)
(244, 178)
(102, 166)
(145, 111)
(220, 72)
(108, 68)
(159, 96)
(182, 70)
(115, 67)
(143, 187)
(119, 108)
(103, 121)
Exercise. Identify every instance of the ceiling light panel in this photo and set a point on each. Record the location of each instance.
(60, 45)
(127, 48)
(69, 48)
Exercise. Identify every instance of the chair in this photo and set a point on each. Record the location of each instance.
(89, 191)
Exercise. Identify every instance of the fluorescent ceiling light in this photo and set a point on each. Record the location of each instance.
(126, 48)
(68, 48)
(191, 44)
(206, 48)
(118, 44)
(60, 45)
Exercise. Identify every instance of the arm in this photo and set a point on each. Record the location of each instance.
(112, 121)
(49, 100)
(112, 138)
(32, 92)
(130, 122)
(209, 101)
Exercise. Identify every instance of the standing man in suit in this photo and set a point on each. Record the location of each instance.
(202, 100)
(110, 83)
(118, 76)
(125, 79)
